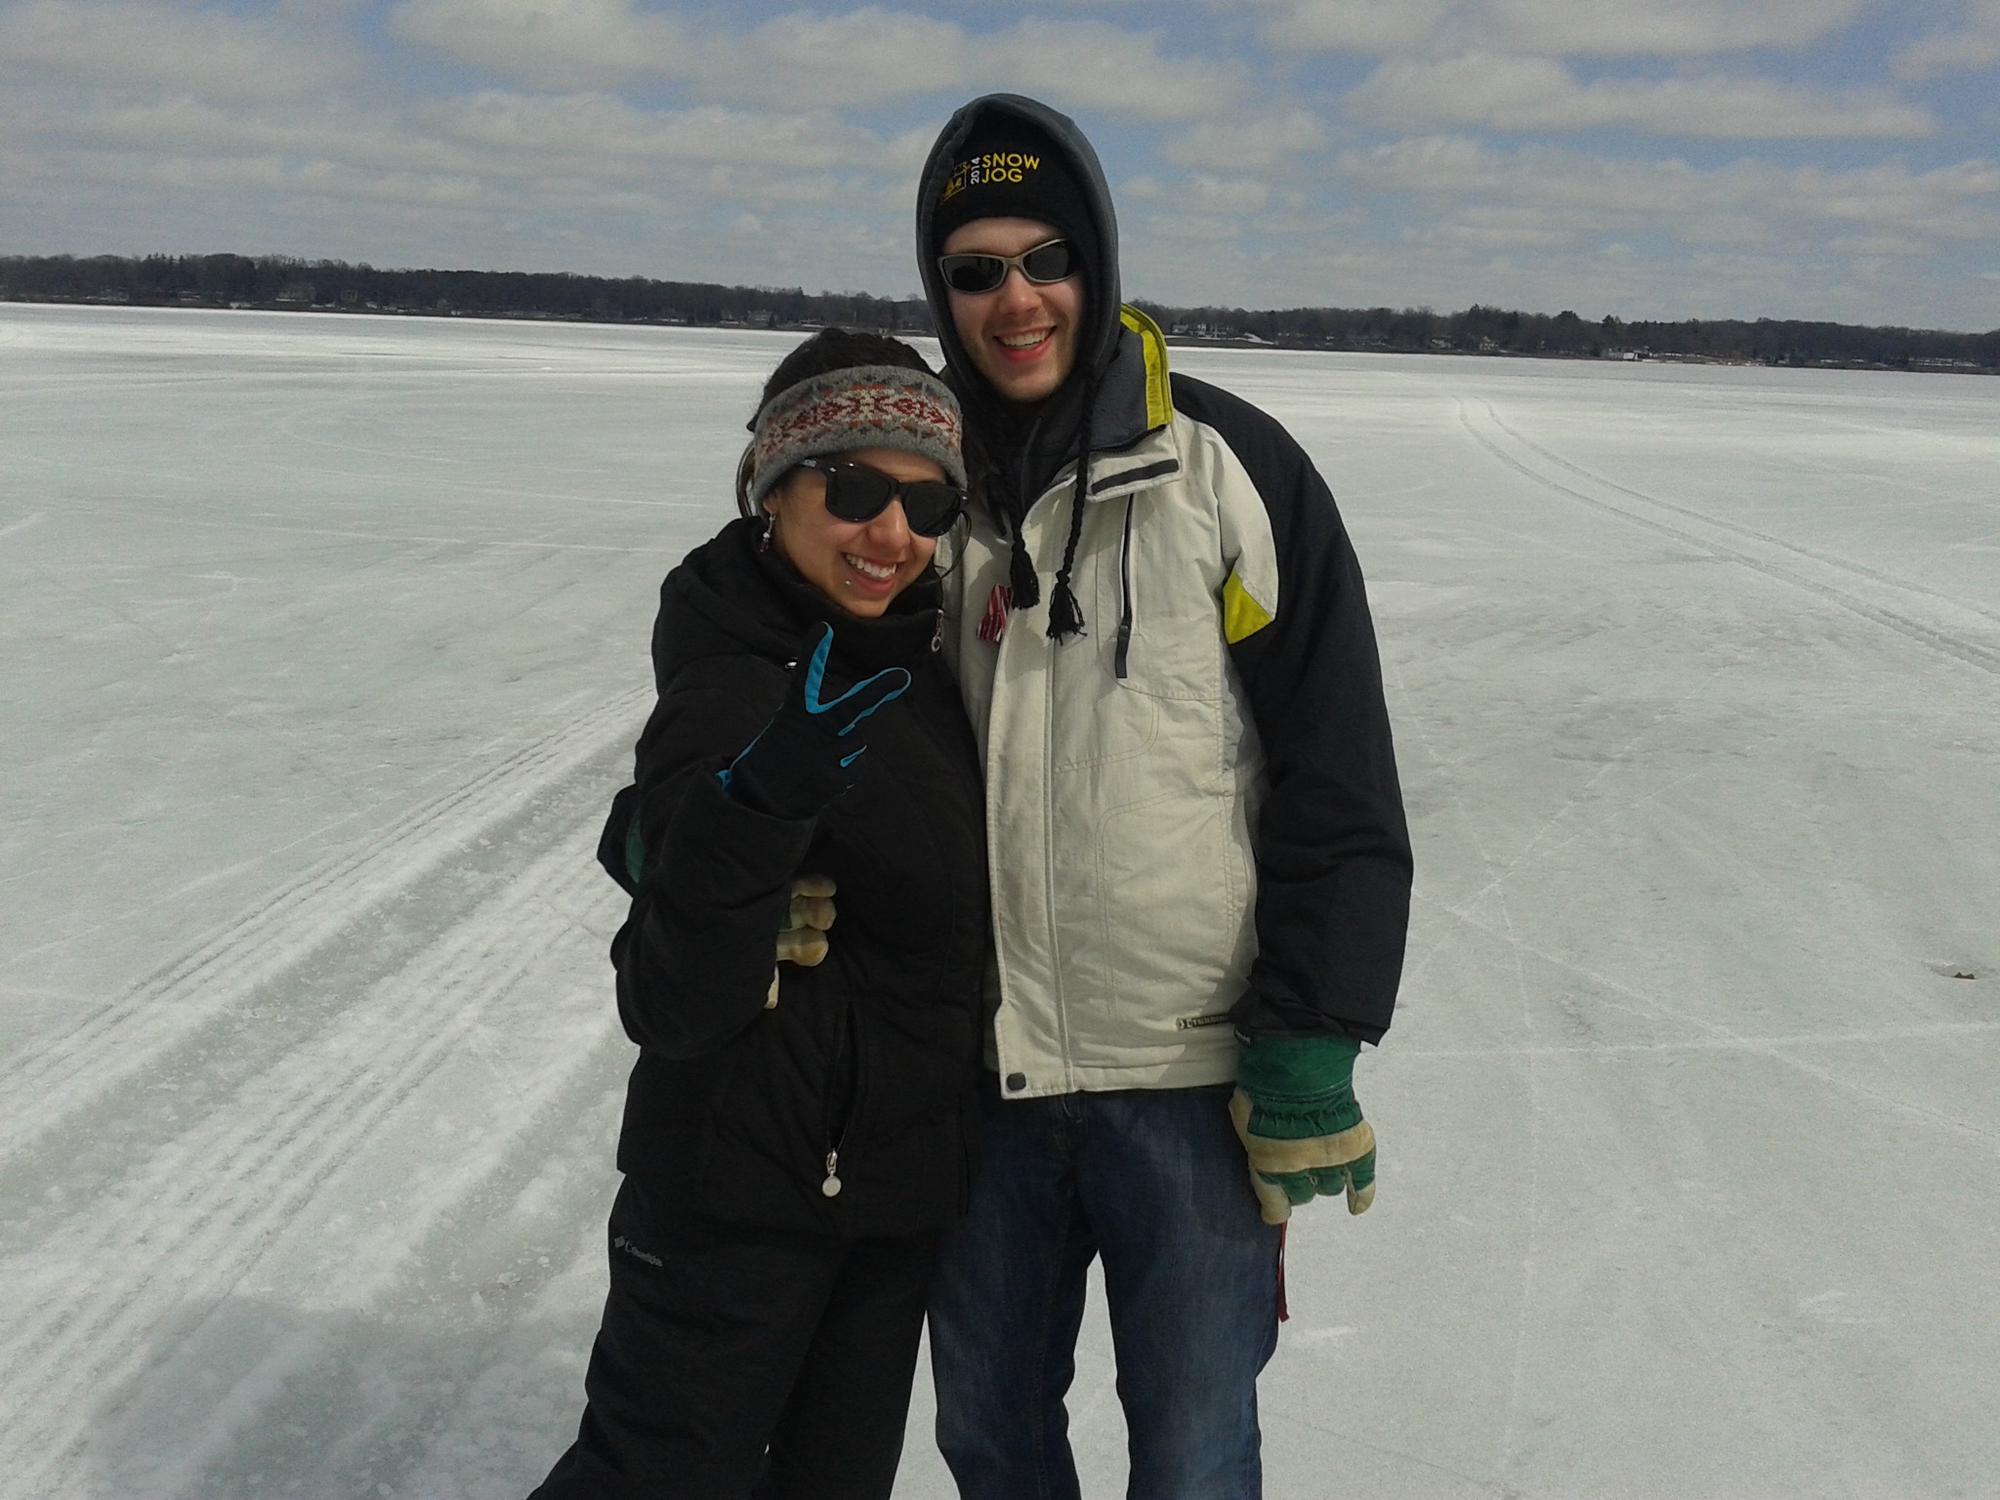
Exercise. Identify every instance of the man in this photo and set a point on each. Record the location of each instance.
(1200, 864)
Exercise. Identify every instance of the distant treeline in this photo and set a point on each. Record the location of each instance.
(271, 281)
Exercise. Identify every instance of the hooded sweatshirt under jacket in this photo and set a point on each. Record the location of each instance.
(865, 1070)
(1193, 815)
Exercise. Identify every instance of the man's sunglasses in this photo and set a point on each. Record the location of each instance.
(1052, 260)
(857, 493)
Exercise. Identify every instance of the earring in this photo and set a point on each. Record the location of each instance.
(770, 525)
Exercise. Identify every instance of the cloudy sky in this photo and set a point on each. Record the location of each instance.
(1648, 158)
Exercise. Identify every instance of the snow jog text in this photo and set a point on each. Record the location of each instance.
(993, 166)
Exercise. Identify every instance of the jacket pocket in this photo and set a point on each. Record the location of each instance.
(1173, 926)
(1158, 622)
(842, 1101)
(672, 1108)
(1176, 656)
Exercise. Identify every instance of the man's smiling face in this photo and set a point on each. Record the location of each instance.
(1020, 336)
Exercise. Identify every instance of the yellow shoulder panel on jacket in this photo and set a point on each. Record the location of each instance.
(1159, 397)
(1242, 616)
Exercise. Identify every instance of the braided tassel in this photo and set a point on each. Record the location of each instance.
(1065, 619)
(1021, 576)
(1065, 616)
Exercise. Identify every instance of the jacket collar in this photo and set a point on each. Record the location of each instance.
(1132, 446)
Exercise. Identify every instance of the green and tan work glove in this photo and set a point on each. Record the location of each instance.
(1295, 1114)
(802, 940)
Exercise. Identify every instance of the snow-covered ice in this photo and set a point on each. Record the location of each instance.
(325, 647)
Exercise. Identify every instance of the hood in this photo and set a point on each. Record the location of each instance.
(1098, 338)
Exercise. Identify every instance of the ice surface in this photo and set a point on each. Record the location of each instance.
(325, 646)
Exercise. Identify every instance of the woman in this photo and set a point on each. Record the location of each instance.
(793, 1148)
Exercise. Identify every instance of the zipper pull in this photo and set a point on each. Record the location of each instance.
(831, 1187)
(937, 634)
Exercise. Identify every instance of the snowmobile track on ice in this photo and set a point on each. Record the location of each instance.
(199, 1211)
(258, 949)
(1943, 624)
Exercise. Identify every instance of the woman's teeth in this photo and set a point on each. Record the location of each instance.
(867, 569)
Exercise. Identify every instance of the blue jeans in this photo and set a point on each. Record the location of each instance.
(1153, 1182)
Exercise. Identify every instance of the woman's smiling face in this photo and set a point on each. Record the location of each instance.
(860, 565)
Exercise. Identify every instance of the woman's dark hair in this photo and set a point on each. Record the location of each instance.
(826, 351)
(838, 349)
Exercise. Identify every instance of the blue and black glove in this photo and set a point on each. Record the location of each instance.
(1295, 1114)
(808, 755)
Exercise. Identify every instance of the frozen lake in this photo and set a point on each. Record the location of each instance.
(325, 648)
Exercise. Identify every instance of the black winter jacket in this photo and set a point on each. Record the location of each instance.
(873, 1054)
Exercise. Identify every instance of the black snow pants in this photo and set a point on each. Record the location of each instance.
(741, 1364)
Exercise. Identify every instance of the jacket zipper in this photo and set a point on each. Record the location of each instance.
(1122, 659)
(830, 1184)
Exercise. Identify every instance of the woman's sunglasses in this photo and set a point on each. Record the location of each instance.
(857, 493)
(1052, 260)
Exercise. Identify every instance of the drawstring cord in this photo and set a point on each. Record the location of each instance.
(1065, 618)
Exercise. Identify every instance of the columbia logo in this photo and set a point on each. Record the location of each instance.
(621, 1243)
(1195, 1023)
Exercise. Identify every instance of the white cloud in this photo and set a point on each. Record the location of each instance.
(208, 52)
(1371, 28)
(1506, 92)
(1446, 270)
(490, 135)
(1245, 144)
(1968, 47)
(582, 128)
(553, 43)
(1746, 202)
(1181, 225)
(1225, 195)
(646, 136)
(271, 178)
(1500, 226)
(857, 58)
(1879, 244)
(863, 57)
(906, 153)
(571, 182)
(1668, 28)
(1096, 68)
(1631, 28)
(1201, 194)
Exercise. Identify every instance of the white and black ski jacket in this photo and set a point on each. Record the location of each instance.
(1193, 815)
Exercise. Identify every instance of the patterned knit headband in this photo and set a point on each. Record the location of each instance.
(867, 406)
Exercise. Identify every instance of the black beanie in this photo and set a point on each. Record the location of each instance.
(1008, 169)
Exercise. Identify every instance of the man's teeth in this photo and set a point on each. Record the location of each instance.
(1023, 340)
(867, 569)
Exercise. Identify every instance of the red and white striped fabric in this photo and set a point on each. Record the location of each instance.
(993, 623)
